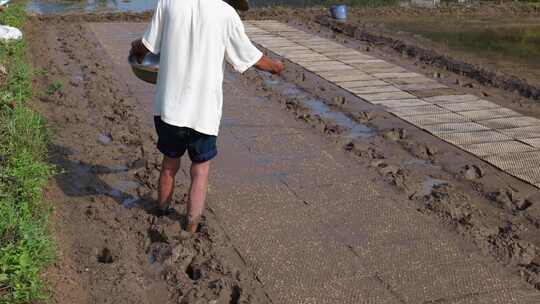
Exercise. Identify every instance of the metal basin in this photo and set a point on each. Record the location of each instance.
(148, 69)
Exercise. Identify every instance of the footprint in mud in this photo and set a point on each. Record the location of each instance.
(159, 252)
(395, 134)
(339, 100)
(105, 256)
(165, 228)
(363, 116)
(393, 174)
(419, 150)
(509, 199)
(104, 139)
(195, 269)
(431, 189)
(189, 266)
(471, 172)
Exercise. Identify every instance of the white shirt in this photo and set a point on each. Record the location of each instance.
(193, 37)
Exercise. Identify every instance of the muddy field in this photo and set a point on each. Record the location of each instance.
(113, 250)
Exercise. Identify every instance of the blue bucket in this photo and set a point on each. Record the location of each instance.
(339, 11)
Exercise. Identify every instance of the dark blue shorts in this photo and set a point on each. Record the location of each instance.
(173, 142)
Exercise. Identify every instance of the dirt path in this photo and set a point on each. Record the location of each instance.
(289, 208)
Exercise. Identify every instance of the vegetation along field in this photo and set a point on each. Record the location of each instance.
(25, 246)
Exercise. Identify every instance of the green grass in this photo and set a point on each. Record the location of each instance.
(25, 245)
(55, 86)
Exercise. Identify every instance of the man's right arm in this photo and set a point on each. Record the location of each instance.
(242, 54)
(270, 65)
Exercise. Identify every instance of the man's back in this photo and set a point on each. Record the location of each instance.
(192, 37)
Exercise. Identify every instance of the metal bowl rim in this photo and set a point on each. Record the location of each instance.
(136, 65)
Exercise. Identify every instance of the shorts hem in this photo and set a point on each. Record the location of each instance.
(169, 153)
(204, 157)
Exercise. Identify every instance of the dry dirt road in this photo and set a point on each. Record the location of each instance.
(316, 197)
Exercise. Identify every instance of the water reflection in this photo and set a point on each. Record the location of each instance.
(70, 6)
(53, 7)
(317, 107)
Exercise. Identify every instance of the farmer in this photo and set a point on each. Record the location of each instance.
(193, 37)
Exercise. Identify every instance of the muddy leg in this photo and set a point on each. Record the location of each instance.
(197, 194)
(169, 168)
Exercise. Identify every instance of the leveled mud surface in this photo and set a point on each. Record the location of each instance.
(499, 213)
(111, 249)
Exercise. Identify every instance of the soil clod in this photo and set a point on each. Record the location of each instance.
(472, 172)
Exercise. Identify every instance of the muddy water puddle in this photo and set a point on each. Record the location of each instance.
(356, 130)
(430, 184)
(317, 107)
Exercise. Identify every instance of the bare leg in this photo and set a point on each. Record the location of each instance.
(197, 194)
(169, 168)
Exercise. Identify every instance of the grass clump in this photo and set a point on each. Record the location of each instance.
(55, 86)
(25, 245)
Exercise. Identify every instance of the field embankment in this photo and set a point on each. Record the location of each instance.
(25, 246)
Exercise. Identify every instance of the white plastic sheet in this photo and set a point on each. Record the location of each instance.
(9, 33)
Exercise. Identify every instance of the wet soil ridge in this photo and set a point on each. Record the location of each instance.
(480, 74)
(95, 17)
(112, 248)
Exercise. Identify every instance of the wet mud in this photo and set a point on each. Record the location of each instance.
(495, 211)
(94, 17)
(112, 249)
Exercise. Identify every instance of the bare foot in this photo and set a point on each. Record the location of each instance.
(193, 224)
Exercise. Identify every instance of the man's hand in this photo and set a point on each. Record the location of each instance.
(270, 65)
(138, 50)
(278, 66)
